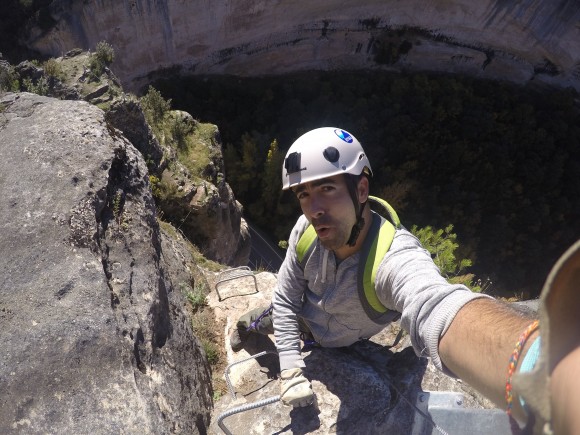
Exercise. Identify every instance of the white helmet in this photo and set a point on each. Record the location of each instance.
(323, 152)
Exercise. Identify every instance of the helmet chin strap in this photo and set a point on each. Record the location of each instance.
(357, 227)
(359, 208)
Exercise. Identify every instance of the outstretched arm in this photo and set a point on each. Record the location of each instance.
(479, 343)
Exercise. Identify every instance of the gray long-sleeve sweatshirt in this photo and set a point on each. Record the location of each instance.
(325, 296)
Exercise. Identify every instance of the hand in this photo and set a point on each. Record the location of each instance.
(296, 390)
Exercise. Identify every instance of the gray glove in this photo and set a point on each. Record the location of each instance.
(296, 390)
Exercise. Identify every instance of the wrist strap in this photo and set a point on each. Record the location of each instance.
(513, 363)
(529, 362)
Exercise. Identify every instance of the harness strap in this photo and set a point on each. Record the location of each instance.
(375, 246)
(306, 244)
(255, 323)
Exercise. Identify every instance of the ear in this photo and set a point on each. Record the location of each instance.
(363, 189)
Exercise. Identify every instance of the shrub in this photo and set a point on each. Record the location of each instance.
(154, 106)
(52, 68)
(196, 297)
(101, 58)
(155, 189)
(211, 352)
(442, 243)
(179, 132)
(105, 53)
(203, 326)
(8, 78)
(40, 87)
(96, 68)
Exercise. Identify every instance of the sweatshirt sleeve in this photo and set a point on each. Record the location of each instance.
(409, 282)
(287, 302)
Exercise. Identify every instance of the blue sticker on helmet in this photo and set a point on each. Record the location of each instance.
(343, 135)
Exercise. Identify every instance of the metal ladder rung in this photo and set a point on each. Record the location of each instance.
(232, 274)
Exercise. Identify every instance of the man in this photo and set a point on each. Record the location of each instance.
(465, 334)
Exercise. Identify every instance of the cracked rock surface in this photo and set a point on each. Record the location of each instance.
(94, 337)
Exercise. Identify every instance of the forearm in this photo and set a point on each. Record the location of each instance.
(478, 344)
(287, 302)
(287, 334)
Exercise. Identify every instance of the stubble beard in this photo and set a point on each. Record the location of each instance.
(339, 238)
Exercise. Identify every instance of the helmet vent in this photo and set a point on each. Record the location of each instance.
(331, 154)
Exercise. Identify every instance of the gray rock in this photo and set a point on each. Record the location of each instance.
(126, 115)
(518, 42)
(529, 307)
(94, 335)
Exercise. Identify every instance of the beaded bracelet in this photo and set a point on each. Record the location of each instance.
(514, 362)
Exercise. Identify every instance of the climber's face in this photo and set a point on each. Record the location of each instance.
(328, 206)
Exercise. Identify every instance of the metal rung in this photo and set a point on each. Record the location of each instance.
(235, 273)
(248, 406)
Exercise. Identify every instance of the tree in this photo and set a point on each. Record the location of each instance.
(154, 106)
(101, 58)
(441, 244)
(271, 183)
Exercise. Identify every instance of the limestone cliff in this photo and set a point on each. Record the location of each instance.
(516, 41)
(96, 338)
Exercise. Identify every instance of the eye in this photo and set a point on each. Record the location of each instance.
(301, 195)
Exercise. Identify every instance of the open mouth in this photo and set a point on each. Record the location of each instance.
(322, 232)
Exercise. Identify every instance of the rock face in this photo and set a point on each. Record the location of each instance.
(527, 40)
(197, 197)
(94, 333)
(201, 203)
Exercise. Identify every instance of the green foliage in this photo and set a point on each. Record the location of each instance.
(155, 187)
(117, 205)
(442, 244)
(103, 56)
(154, 106)
(195, 153)
(211, 352)
(53, 68)
(179, 132)
(247, 166)
(196, 297)
(271, 180)
(41, 86)
(203, 327)
(96, 68)
(191, 140)
(105, 53)
(8, 79)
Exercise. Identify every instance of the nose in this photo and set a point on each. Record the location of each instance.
(316, 207)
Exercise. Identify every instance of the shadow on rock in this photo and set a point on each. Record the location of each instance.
(372, 389)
